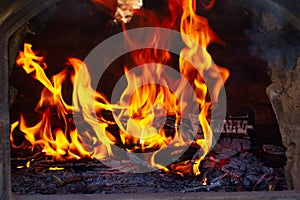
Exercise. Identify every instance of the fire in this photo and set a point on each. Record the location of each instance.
(204, 181)
(141, 104)
(197, 28)
(62, 142)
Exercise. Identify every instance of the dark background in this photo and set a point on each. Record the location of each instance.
(4, 4)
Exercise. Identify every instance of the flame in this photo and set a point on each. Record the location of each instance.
(204, 181)
(28, 164)
(148, 102)
(140, 105)
(197, 29)
(62, 142)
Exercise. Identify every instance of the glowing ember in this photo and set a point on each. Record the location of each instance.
(139, 105)
(56, 168)
(28, 164)
(204, 181)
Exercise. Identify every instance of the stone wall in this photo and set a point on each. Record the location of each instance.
(275, 34)
(284, 94)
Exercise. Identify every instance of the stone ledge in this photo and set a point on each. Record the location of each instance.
(292, 195)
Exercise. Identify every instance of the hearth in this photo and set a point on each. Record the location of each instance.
(254, 144)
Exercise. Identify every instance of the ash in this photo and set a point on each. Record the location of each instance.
(232, 165)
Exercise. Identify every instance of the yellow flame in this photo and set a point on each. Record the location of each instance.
(61, 143)
(197, 29)
(139, 105)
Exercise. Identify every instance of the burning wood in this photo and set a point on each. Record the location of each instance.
(57, 134)
(238, 125)
(230, 166)
(239, 172)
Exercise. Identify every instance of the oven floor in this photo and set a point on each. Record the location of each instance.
(231, 166)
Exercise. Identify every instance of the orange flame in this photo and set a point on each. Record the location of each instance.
(139, 104)
(197, 29)
(63, 142)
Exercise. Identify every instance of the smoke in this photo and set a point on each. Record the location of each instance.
(275, 31)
